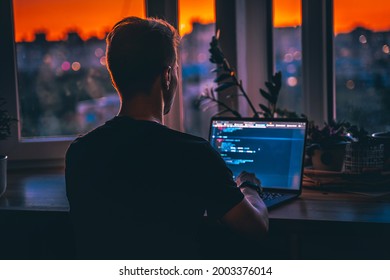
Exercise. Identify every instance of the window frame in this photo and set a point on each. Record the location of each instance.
(51, 151)
(43, 152)
(168, 10)
(318, 60)
(255, 62)
(16, 149)
(318, 86)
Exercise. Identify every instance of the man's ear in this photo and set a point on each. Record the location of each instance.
(167, 77)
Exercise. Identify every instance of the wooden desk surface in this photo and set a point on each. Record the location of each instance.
(45, 191)
(314, 205)
(35, 191)
(318, 225)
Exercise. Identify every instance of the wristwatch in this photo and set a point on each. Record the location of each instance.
(248, 184)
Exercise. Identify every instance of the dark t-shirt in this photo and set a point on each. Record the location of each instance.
(138, 189)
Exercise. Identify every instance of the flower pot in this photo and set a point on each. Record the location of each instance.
(3, 174)
(329, 158)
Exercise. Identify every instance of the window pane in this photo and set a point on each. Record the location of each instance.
(287, 22)
(197, 26)
(362, 52)
(64, 87)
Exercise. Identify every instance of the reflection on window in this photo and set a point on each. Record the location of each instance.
(362, 51)
(63, 85)
(197, 26)
(288, 52)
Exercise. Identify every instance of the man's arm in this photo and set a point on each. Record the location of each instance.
(250, 216)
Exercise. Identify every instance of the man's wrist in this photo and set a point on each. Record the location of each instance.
(250, 185)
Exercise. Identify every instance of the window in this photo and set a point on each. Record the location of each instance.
(196, 26)
(362, 69)
(361, 42)
(63, 85)
(287, 21)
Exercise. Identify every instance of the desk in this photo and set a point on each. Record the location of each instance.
(335, 207)
(329, 225)
(35, 191)
(317, 225)
(34, 222)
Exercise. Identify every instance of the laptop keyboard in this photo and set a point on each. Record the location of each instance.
(270, 195)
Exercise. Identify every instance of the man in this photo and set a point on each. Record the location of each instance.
(138, 189)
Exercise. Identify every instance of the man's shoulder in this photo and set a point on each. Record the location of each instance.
(101, 133)
(198, 145)
(123, 130)
(185, 137)
(82, 139)
(89, 140)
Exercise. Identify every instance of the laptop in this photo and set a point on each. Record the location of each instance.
(273, 149)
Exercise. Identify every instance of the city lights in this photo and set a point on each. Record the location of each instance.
(361, 56)
(76, 66)
(99, 52)
(288, 57)
(297, 55)
(47, 59)
(362, 39)
(292, 81)
(202, 57)
(345, 52)
(103, 60)
(350, 84)
(386, 49)
(291, 68)
(65, 66)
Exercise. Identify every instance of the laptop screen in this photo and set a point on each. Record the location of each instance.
(272, 149)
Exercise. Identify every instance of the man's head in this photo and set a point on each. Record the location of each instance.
(138, 52)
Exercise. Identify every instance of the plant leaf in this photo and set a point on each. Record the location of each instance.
(224, 86)
(235, 113)
(256, 115)
(265, 109)
(222, 77)
(267, 96)
(277, 80)
(269, 85)
(216, 70)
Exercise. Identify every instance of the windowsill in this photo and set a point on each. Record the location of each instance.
(44, 166)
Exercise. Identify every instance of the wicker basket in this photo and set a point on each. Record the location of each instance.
(363, 157)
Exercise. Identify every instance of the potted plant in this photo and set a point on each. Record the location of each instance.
(340, 146)
(326, 145)
(227, 79)
(5, 131)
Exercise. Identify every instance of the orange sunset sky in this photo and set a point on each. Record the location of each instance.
(95, 17)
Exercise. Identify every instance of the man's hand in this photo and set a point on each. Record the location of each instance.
(246, 176)
(250, 217)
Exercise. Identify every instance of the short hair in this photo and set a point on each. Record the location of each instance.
(138, 50)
